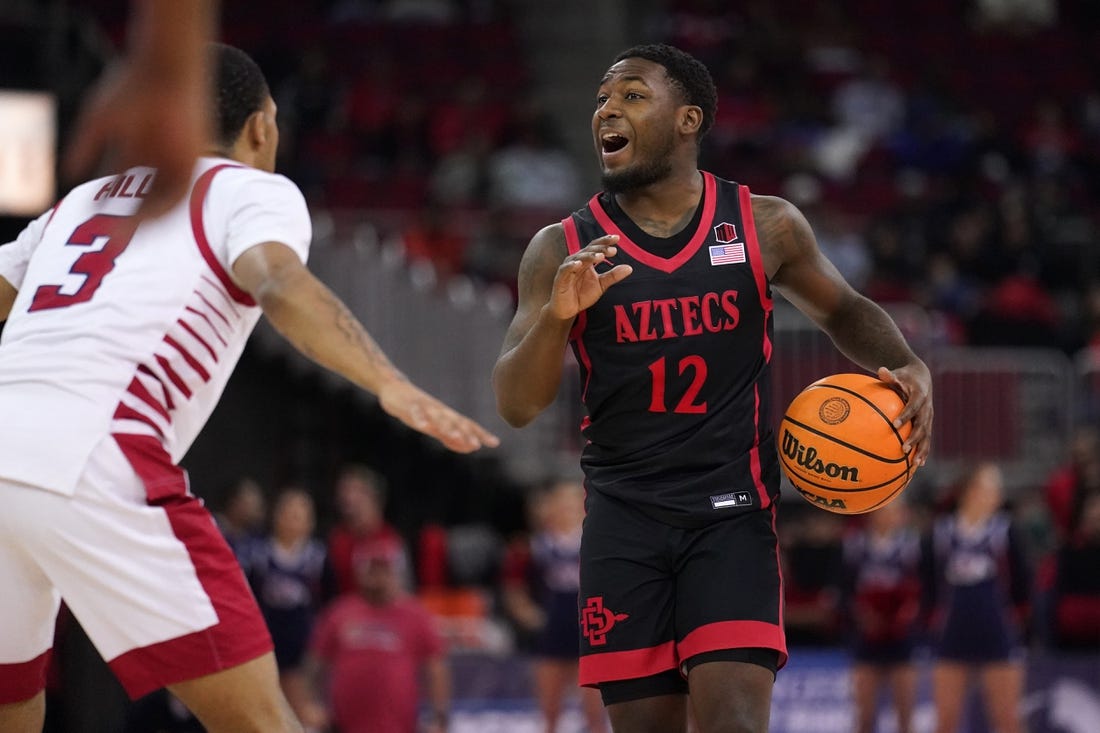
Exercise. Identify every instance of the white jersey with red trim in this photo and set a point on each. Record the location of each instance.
(124, 330)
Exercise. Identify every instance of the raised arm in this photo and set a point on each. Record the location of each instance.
(860, 328)
(319, 325)
(152, 107)
(554, 287)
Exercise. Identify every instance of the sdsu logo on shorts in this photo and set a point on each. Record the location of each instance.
(596, 621)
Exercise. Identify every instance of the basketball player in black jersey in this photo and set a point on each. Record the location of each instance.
(662, 286)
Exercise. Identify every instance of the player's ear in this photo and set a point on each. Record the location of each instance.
(691, 119)
(256, 129)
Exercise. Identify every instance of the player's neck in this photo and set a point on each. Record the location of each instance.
(664, 206)
(238, 153)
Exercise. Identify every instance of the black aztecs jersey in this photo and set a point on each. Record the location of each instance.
(674, 363)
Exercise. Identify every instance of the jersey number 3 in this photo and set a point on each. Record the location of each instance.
(688, 403)
(94, 266)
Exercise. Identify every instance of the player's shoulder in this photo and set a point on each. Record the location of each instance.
(551, 235)
(239, 176)
(544, 254)
(782, 230)
(773, 209)
(237, 189)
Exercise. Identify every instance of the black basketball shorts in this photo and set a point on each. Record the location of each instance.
(652, 595)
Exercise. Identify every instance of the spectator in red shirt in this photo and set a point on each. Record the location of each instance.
(360, 498)
(369, 649)
(1067, 488)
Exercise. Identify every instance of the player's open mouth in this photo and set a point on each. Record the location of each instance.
(612, 142)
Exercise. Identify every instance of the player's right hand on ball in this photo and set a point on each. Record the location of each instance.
(577, 285)
(424, 413)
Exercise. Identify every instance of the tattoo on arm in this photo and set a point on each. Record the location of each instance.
(353, 331)
(783, 233)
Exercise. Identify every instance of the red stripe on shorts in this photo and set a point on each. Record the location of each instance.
(240, 634)
(734, 635)
(23, 680)
(153, 466)
(627, 665)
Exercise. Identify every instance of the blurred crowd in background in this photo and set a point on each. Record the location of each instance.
(968, 188)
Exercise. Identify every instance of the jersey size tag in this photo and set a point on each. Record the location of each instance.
(735, 498)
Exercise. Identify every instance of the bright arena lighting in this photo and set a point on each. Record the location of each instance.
(28, 144)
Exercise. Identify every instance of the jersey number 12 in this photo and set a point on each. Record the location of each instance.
(688, 403)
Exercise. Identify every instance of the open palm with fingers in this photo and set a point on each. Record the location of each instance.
(577, 285)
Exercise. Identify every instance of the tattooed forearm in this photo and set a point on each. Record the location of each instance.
(353, 332)
(320, 326)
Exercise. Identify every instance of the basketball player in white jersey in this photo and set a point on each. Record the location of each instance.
(118, 342)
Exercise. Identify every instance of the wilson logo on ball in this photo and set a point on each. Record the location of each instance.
(806, 457)
(834, 410)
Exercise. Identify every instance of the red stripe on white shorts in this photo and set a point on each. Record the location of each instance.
(240, 634)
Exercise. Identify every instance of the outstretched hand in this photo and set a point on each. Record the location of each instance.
(424, 413)
(914, 382)
(137, 116)
(577, 285)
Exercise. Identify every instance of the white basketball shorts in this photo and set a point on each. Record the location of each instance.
(139, 562)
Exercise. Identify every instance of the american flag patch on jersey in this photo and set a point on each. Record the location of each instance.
(727, 254)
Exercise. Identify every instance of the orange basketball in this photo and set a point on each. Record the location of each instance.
(839, 447)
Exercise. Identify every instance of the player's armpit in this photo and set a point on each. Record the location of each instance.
(7, 298)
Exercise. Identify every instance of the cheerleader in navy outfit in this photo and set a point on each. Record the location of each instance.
(977, 585)
(292, 579)
(882, 601)
(542, 579)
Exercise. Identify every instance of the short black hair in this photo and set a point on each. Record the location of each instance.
(687, 73)
(239, 91)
